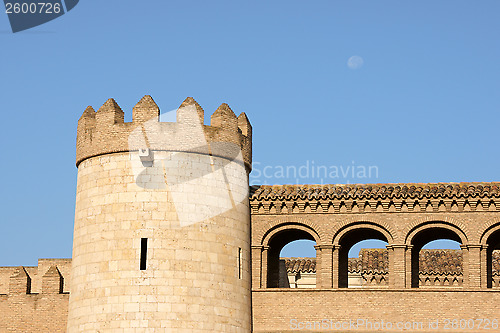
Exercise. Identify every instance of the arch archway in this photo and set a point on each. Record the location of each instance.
(491, 239)
(274, 241)
(426, 233)
(350, 236)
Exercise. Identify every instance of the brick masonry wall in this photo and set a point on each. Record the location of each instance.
(398, 224)
(35, 299)
(36, 273)
(273, 308)
(104, 132)
(281, 310)
(40, 313)
(334, 227)
(328, 228)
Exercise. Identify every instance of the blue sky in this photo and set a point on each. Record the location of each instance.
(423, 107)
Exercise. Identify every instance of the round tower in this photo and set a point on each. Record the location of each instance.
(162, 222)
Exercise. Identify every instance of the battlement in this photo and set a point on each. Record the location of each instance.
(35, 298)
(49, 277)
(105, 131)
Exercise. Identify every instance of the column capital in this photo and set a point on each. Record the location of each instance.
(472, 246)
(260, 247)
(398, 246)
(325, 246)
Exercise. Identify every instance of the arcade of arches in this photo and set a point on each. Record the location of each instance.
(405, 216)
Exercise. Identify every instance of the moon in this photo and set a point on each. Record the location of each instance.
(355, 62)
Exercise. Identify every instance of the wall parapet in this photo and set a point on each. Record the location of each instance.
(51, 276)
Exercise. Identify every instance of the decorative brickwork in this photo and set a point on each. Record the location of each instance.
(411, 198)
(406, 216)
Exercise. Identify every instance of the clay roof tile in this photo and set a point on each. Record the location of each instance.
(431, 190)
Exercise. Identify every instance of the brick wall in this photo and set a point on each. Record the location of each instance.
(33, 299)
(34, 313)
(282, 310)
(406, 217)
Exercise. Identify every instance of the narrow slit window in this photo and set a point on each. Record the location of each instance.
(144, 253)
(240, 265)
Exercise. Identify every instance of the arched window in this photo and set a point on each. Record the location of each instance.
(436, 258)
(277, 273)
(493, 260)
(346, 242)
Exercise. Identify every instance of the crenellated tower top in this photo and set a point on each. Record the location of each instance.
(105, 131)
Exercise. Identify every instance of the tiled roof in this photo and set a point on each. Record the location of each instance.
(374, 191)
(376, 261)
(441, 262)
(370, 261)
(303, 265)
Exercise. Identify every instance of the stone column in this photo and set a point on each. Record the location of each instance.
(473, 265)
(324, 273)
(484, 267)
(408, 265)
(257, 266)
(319, 272)
(397, 265)
(465, 265)
(335, 266)
(263, 276)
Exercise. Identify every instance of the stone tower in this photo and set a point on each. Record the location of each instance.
(162, 221)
